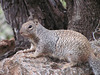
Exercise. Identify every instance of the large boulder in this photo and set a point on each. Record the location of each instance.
(20, 65)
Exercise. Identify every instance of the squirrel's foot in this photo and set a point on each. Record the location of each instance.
(35, 55)
(30, 56)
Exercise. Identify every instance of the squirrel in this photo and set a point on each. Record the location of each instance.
(68, 45)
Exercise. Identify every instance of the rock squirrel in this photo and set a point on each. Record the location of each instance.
(62, 44)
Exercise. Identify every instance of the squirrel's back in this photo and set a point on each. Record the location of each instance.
(72, 46)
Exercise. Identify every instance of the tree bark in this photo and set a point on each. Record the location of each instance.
(79, 15)
(83, 16)
(50, 12)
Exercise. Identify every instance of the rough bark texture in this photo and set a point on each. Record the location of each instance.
(6, 45)
(83, 16)
(50, 12)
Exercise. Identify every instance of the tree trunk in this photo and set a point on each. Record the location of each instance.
(51, 13)
(83, 16)
(80, 15)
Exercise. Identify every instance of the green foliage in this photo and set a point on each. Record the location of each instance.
(5, 29)
(63, 3)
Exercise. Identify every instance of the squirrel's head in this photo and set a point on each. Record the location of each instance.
(28, 29)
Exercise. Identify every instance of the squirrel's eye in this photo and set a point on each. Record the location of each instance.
(30, 26)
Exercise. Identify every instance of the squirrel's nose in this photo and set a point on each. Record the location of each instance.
(21, 32)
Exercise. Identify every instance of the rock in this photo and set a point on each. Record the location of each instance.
(20, 65)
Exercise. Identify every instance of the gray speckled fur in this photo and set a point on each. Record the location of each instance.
(63, 44)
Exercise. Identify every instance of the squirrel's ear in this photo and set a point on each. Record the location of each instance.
(30, 17)
(36, 21)
(34, 18)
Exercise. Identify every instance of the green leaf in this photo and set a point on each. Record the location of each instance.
(63, 2)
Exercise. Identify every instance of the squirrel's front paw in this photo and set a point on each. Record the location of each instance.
(34, 55)
(28, 50)
(30, 55)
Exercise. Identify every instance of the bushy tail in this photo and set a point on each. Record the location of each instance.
(95, 64)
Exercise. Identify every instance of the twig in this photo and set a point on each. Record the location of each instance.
(95, 31)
